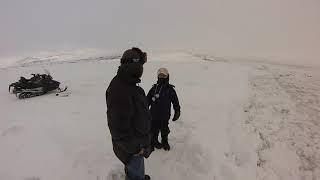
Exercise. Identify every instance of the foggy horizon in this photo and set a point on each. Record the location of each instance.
(286, 29)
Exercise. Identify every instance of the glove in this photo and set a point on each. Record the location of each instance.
(176, 116)
(147, 151)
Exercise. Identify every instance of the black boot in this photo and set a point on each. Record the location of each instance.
(147, 177)
(155, 143)
(165, 143)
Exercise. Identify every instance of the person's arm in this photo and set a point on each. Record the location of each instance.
(143, 122)
(149, 96)
(175, 103)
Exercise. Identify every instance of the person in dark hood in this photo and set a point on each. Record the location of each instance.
(160, 98)
(129, 118)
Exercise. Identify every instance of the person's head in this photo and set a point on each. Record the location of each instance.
(132, 62)
(163, 75)
(134, 55)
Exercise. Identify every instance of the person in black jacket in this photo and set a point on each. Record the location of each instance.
(160, 98)
(129, 118)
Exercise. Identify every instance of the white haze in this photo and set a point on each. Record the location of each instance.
(278, 30)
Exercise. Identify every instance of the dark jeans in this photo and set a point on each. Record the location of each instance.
(135, 168)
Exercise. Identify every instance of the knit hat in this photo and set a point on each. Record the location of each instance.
(163, 73)
(133, 55)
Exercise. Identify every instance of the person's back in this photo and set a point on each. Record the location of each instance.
(117, 93)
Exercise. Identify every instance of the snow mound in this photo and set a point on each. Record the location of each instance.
(58, 57)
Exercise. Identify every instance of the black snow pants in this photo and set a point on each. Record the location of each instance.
(160, 125)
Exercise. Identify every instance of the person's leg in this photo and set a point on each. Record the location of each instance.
(164, 134)
(135, 168)
(155, 129)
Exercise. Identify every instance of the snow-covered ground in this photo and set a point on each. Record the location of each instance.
(240, 120)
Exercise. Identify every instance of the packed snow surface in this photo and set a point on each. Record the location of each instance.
(241, 120)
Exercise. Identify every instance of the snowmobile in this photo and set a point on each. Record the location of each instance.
(37, 85)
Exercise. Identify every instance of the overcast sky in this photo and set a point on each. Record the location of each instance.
(281, 29)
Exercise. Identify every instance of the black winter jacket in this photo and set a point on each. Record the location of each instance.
(129, 119)
(161, 106)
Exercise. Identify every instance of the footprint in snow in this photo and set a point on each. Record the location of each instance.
(11, 130)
